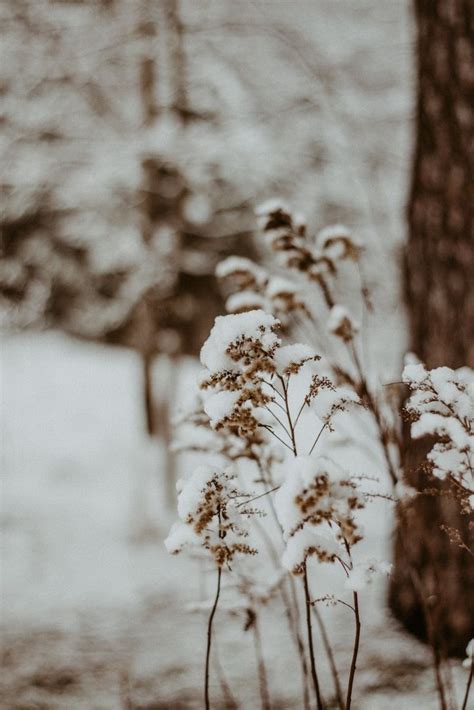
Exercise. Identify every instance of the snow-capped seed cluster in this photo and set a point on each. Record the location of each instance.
(211, 516)
(243, 273)
(316, 506)
(342, 324)
(239, 350)
(337, 242)
(252, 288)
(441, 405)
(242, 356)
(241, 344)
(331, 399)
(286, 234)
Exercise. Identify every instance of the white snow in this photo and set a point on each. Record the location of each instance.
(245, 300)
(254, 324)
(274, 204)
(302, 544)
(295, 353)
(219, 405)
(363, 574)
(239, 264)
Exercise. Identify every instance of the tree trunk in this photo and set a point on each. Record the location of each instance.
(439, 287)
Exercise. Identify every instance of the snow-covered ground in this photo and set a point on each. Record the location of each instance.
(94, 612)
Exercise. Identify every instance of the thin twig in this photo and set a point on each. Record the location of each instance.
(430, 628)
(293, 620)
(275, 389)
(310, 641)
(262, 672)
(330, 655)
(372, 405)
(355, 651)
(288, 415)
(269, 428)
(209, 639)
(251, 500)
(317, 438)
(305, 404)
(277, 419)
(299, 642)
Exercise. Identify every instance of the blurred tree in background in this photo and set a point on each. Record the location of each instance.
(439, 289)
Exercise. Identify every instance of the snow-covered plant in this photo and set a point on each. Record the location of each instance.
(272, 411)
(208, 507)
(315, 506)
(318, 259)
(213, 514)
(441, 406)
(254, 288)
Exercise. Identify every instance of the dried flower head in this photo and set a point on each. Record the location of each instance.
(337, 243)
(211, 516)
(342, 324)
(239, 350)
(316, 506)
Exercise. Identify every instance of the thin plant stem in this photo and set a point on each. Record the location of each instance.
(288, 415)
(275, 389)
(372, 405)
(299, 642)
(209, 639)
(277, 419)
(314, 674)
(262, 671)
(355, 651)
(317, 438)
(293, 620)
(416, 581)
(418, 586)
(468, 686)
(269, 429)
(300, 412)
(261, 495)
(330, 655)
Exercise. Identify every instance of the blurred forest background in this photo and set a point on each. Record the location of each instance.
(137, 138)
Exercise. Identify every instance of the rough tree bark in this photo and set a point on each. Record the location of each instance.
(439, 287)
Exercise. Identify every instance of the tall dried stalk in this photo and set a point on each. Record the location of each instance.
(309, 629)
(415, 577)
(209, 639)
(330, 655)
(262, 672)
(293, 620)
(314, 675)
(355, 651)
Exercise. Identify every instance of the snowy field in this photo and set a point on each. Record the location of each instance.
(94, 611)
